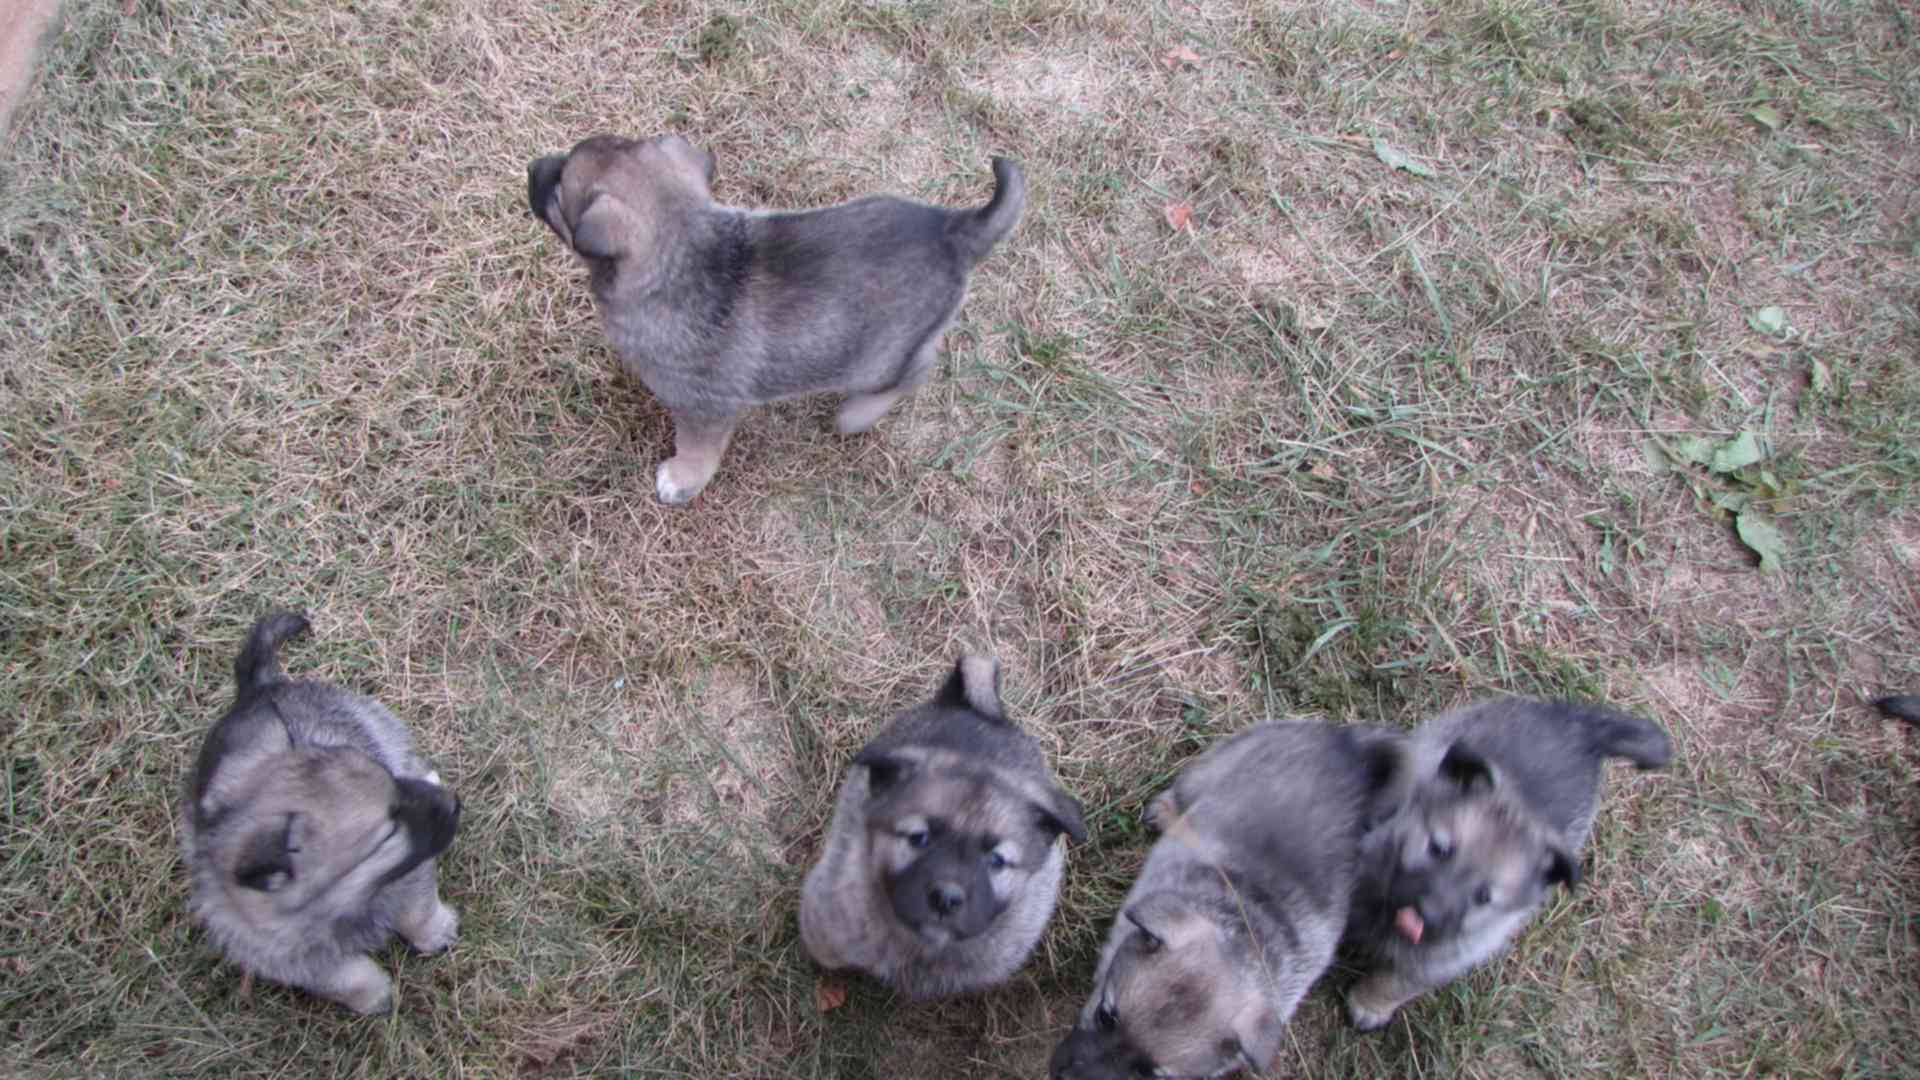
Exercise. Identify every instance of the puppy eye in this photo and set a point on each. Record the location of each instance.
(1145, 1068)
(1440, 847)
(1106, 1017)
(917, 838)
(1483, 895)
(996, 861)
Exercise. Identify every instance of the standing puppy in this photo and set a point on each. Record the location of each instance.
(310, 827)
(1505, 797)
(716, 309)
(943, 859)
(1240, 905)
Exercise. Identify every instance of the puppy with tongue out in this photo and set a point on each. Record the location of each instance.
(1506, 799)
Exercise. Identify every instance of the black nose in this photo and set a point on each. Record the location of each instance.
(543, 175)
(946, 899)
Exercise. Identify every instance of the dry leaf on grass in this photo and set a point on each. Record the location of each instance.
(1177, 214)
(829, 994)
(1174, 58)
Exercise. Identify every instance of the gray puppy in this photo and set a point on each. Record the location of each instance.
(1240, 905)
(943, 859)
(1505, 795)
(716, 309)
(310, 828)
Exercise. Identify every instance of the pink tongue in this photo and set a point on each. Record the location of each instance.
(1409, 923)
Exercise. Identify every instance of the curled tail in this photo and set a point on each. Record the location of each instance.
(1617, 734)
(1901, 707)
(976, 231)
(258, 667)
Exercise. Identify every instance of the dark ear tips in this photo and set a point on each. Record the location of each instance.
(1063, 815)
(1466, 767)
(1562, 869)
(884, 769)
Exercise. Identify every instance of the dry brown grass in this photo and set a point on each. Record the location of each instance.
(1355, 442)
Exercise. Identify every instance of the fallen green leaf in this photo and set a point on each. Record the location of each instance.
(1768, 117)
(1732, 502)
(1769, 320)
(1821, 378)
(1758, 532)
(1737, 453)
(1692, 449)
(1657, 457)
(1395, 158)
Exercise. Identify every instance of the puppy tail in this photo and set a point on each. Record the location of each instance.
(258, 665)
(976, 231)
(1616, 734)
(1901, 707)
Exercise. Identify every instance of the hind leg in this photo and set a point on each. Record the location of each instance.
(358, 983)
(861, 411)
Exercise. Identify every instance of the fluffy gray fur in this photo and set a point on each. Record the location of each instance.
(717, 309)
(1504, 796)
(944, 856)
(310, 827)
(1240, 904)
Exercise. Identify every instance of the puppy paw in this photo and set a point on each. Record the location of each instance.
(360, 985)
(437, 936)
(862, 411)
(672, 489)
(1368, 1019)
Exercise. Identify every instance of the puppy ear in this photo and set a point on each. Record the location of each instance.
(1390, 783)
(690, 156)
(885, 769)
(974, 684)
(1159, 917)
(1061, 813)
(1562, 868)
(1464, 766)
(605, 229)
(266, 861)
(1257, 1032)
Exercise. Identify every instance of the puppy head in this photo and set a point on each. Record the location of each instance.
(1468, 854)
(609, 197)
(954, 843)
(321, 831)
(1177, 994)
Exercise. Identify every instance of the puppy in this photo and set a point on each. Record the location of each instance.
(310, 827)
(1505, 795)
(943, 859)
(715, 309)
(1240, 905)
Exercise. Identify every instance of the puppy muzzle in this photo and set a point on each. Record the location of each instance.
(430, 814)
(543, 175)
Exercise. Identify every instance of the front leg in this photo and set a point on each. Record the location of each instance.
(1372, 1003)
(698, 441)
